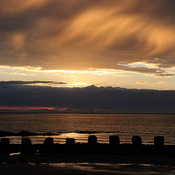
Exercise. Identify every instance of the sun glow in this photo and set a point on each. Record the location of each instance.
(121, 76)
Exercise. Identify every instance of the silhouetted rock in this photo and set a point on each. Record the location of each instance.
(48, 141)
(87, 132)
(114, 140)
(25, 133)
(26, 146)
(5, 146)
(70, 141)
(48, 134)
(5, 141)
(92, 140)
(158, 141)
(136, 140)
(26, 142)
(6, 133)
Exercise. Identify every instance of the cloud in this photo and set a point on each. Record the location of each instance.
(12, 83)
(162, 82)
(141, 82)
(31, 108)
(102, 99)
(145, 70)
(76, 34)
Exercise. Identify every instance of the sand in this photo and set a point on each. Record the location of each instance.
(26, 169)
(91, 165)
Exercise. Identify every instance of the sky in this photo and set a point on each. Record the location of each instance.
(80, 43)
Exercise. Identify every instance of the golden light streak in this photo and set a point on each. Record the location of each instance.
(16, 73)
(141, 82)
(88, 71)
(79, 84)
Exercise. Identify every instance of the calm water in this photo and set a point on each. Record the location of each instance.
(80, 126)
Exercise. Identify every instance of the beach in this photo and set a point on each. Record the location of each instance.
(90, 165)
(80, 158)
(27, 169)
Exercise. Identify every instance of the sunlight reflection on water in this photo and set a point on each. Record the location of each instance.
(80, 126)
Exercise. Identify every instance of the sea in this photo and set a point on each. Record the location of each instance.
(80, 126)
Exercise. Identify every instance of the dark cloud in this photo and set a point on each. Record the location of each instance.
(76, 34)
(6, 83)
(104, 99)
(154, 71)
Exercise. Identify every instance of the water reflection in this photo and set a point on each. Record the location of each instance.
(80, 126)
(119, 168)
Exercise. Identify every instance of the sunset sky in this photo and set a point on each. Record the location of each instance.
(82, 42)
(79, 43)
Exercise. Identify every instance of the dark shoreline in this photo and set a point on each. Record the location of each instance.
(39, 150)
(102, 165)
(25, 133)
(89, 158)
(30, 159)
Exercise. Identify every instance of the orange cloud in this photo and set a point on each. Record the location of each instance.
(76, 34)
(141, 82)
